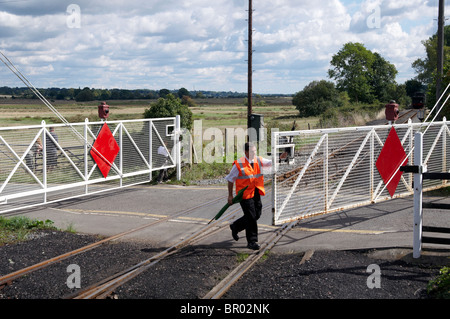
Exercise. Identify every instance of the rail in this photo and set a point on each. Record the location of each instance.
(9, 278)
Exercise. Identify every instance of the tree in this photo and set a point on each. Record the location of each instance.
(431, 93)
(187, 100)
(170, 107)
(382, 78)
(163, 93)
(85, 95)
(183, 92)
(413, 86)
(363, 74)
(316, 98)
(426, 68)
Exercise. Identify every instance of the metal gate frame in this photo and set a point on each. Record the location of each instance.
(335, 169)
(23, 184)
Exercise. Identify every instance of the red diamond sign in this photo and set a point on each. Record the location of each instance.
(106, 145)
(392, 156)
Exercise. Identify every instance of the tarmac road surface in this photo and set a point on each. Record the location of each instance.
(382, 225)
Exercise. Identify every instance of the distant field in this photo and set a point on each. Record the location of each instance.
(219, 113)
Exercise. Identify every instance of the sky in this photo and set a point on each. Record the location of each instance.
(202, 44)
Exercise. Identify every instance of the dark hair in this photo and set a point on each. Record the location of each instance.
(248, 145)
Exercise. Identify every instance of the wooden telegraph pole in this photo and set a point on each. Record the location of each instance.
(250, 66)
(440, 49)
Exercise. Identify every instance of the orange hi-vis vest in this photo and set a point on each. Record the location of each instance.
(249, 176)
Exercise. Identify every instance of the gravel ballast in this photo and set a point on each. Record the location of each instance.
(192, 272)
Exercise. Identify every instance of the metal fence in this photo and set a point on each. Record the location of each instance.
(38, 166)
(335, 169)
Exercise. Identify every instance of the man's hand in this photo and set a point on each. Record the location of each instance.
(230, 193)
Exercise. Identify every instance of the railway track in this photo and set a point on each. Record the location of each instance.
(220, 289)
(106, 287)
(9, 278)
(403, 118)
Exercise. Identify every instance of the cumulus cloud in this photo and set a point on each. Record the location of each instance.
(201, 43)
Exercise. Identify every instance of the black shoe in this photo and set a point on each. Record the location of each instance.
(253, 246)
(234, 233)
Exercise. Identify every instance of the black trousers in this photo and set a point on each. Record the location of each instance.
(252, 212)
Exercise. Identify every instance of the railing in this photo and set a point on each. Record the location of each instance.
(38, 166)
(335, 169)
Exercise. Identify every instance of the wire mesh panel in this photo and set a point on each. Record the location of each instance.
(335, 169)
(20, 155)
(48, 163)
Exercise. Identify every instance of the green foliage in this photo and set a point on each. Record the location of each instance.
(413, 86)
(16, 223)
(330, 118)
(316, 98)
(426, 68)
(85, 95)
(354, 114)
(362, 78)
(382, 79)
(440, 287)
(203, 171)
(427, 71)
(169, 107)
(183, 92)
(431, 92)
(364, 75)
(187, 100)
(16, 228)
(241, 257)
(163, 93)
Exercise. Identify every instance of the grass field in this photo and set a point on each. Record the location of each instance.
(220, 113)
(217, 113)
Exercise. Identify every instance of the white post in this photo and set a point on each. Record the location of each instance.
(274, 140)
(86, 154)
(178, 145)
(444, 149)
(418, 180)
(372, 166)
(150, 148)
(121, 153)
(325, 174)
(44, 158)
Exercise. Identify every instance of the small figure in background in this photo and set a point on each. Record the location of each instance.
(391, 112)
(163, 172)
(52, 150)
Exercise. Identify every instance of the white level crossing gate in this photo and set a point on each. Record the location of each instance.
(31, 176)
(335, 169)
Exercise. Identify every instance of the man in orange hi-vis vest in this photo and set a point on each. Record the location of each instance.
(247, 171)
